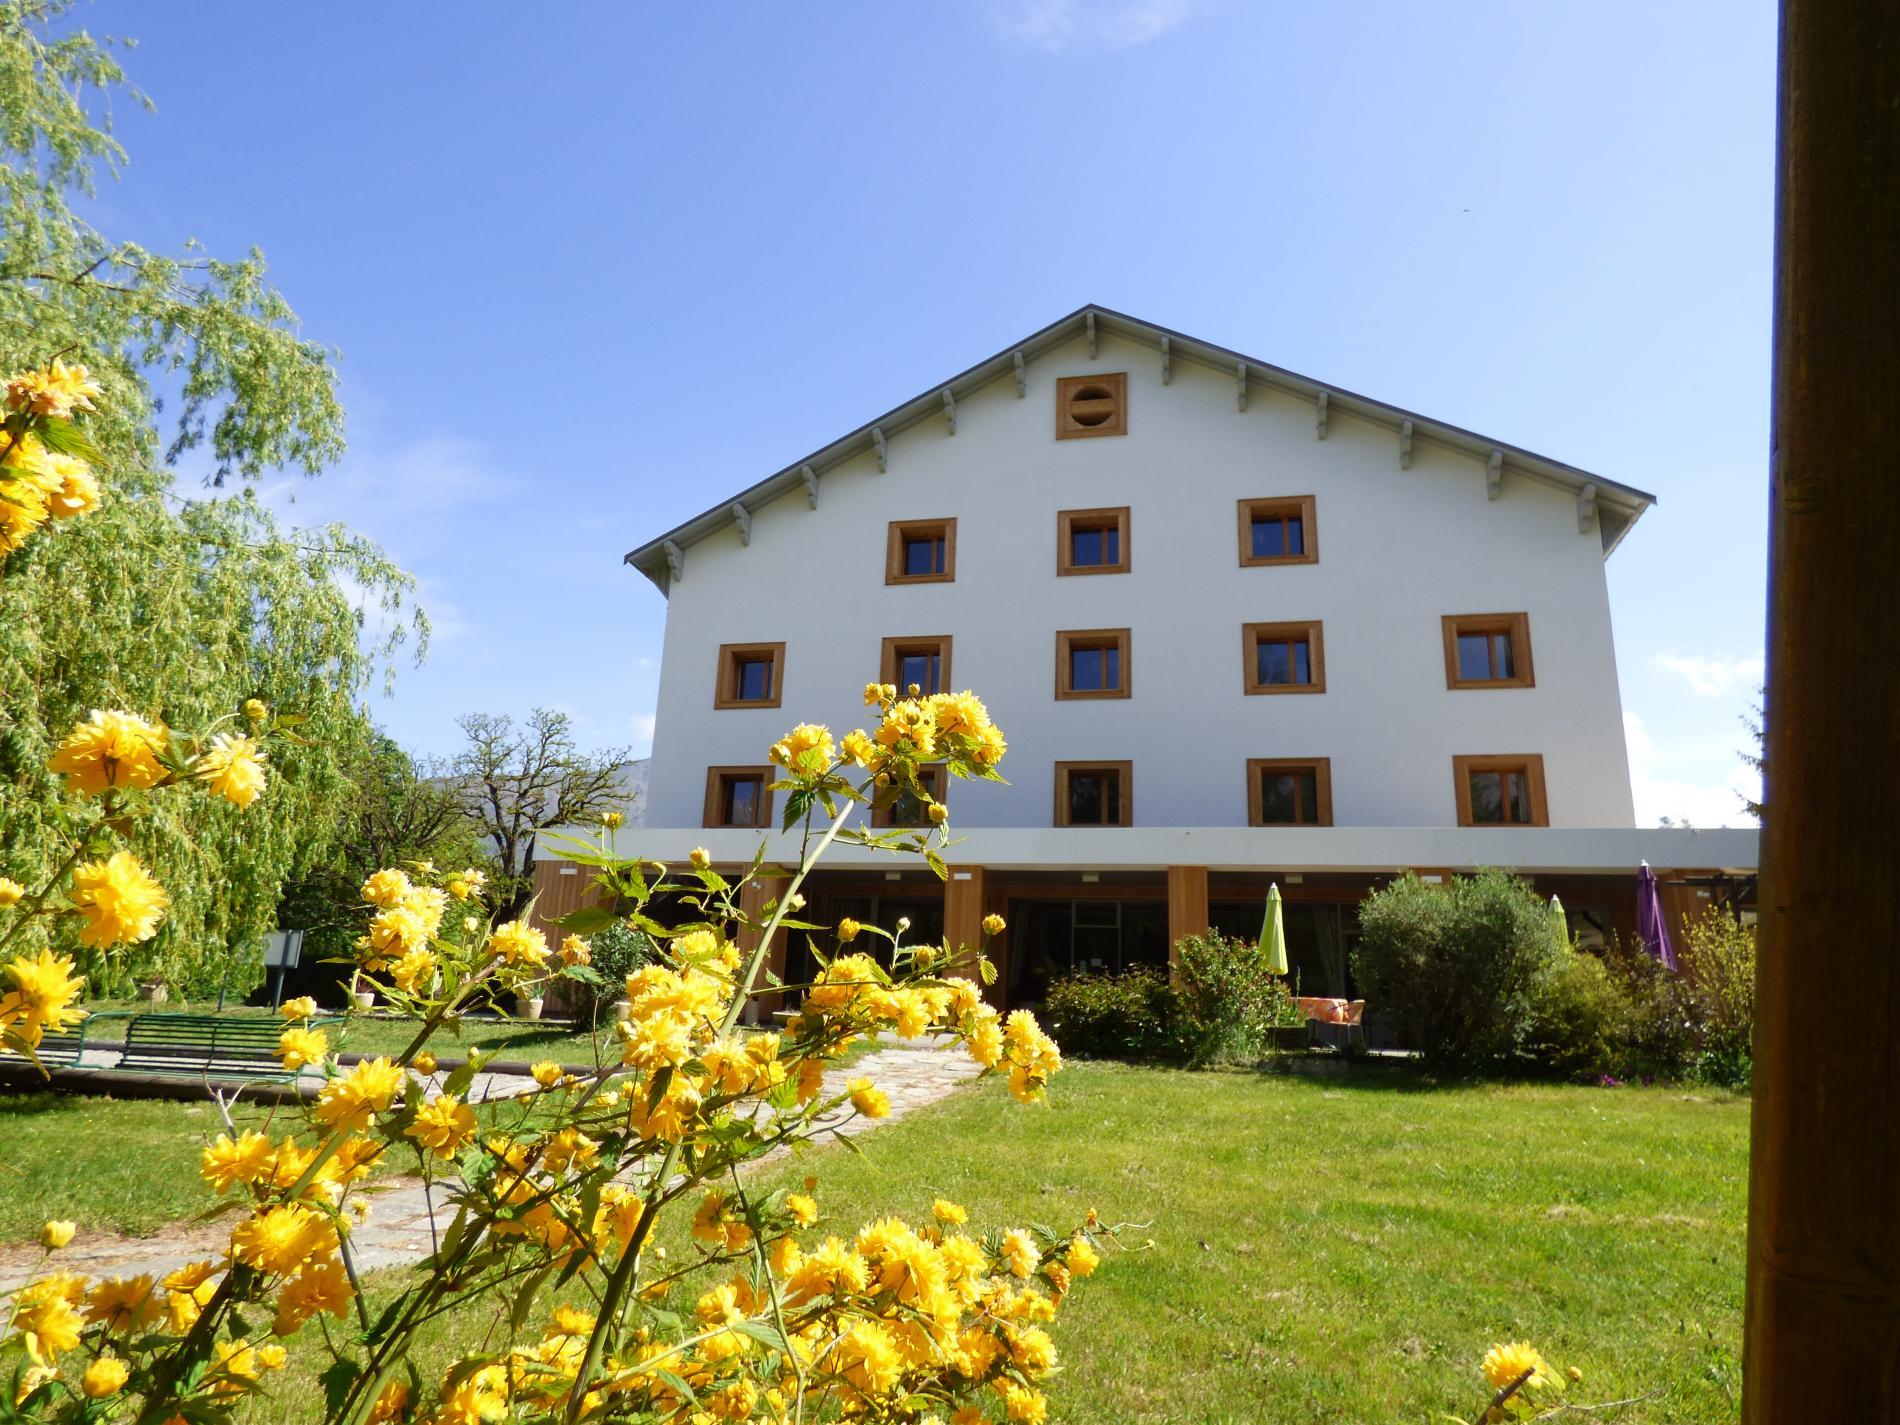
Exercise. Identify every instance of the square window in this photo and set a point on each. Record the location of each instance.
(1279, 531)
(1284, 658)
(921, 552)
(1488, 651)
(1091, 405)
(738, 796)
(1092, 541)
(1094, 794)
(1092, 663)
(752, 679)
(750, 675)
(923, 661)
(1289, 791)
(1501, 791)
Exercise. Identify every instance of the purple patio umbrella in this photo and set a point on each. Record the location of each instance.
(1651, 924)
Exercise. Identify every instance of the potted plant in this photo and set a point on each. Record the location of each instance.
(528, 1001)
(362, 998)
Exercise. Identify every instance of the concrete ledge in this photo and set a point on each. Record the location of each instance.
(24, 1078)
(1554, 849)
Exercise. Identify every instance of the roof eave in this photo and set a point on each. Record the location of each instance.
(650, 558)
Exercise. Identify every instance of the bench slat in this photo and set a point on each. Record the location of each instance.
(175, 1044)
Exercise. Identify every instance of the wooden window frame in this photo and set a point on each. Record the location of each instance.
(726, 685)
(1518, 626)
(894, 647)
(1312, 630)
(1066, 523)
(885, 816)
(944, 529)
(1067, 641)
(716, 778)
(1123, 770)
(1531, 764)
(1320, 767)
(1283, 507)
(1067, 386)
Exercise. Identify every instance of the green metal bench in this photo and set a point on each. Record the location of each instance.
(66, 1049)
(204, 1045)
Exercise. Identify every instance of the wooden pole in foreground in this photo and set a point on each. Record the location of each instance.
(1823, 1324)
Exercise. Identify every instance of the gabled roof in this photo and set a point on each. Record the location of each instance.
(1612, 506)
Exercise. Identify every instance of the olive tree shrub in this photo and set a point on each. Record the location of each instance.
(1457, 967)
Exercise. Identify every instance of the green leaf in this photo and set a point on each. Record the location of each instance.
(586, 920)
(337, 1379)
(765, 1333)
(796, 805)
(678, 1385)
(67, 438)
(524, 1297)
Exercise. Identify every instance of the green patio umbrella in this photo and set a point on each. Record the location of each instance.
(1273, 933)
(1559, 922)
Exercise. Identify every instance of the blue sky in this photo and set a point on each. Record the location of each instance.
(593, 267)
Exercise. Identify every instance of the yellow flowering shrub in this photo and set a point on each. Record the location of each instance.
(112, 762)
(45, 461)
(777, 1315)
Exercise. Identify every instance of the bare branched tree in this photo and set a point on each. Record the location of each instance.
(515, 780)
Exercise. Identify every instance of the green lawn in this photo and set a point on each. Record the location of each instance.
(111, 1165)
(1338, 1250)
(1346, 1249)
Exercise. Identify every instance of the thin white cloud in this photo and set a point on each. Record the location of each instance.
(1714, 676)
(382, 489)
(1057, 25)
(1662, 788)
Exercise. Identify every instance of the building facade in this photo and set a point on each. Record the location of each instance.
(1238, 627)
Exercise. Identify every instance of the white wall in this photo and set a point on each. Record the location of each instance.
(1398, 549)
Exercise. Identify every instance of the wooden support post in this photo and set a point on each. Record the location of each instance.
(963, 907)
(1187, 904)
(1822, 1334)
(965, 903)
(752, 898)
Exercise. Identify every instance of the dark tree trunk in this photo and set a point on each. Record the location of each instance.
(1823, 1327)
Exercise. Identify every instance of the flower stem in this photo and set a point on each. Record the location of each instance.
(628, 1267)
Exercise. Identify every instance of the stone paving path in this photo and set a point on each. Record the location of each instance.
(912, 1073)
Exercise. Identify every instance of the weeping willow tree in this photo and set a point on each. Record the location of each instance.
(178, 599)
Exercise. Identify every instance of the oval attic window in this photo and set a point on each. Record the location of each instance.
(1092, 406)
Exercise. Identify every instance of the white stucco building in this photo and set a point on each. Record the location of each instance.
(1238, 626)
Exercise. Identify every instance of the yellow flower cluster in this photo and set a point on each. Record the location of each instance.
(112, 749)
(298, 1047)
(233, 767)
(942, 726)
(254, 1162)
(120, 901)
(807, 748)
(853, 995)
(445, 1125)
(871, 1323)
(464, 885)
(408, 917)
(519, 945)
(1520, 1368)
(40, 991)
(57, 390)
(352, 1101)
(38, 484)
